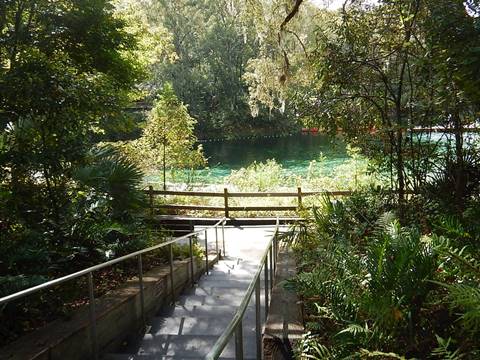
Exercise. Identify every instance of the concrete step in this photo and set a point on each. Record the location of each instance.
(217, 292)
(223, 299)
(224, 271)
(228, 273)
(236, 263)
(199, 310)
(240, 269)
(161, 357)
(184, 346)
(206, 325)
(223, 283)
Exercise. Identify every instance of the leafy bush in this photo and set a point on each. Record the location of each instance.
(258, 177)
(374, 288)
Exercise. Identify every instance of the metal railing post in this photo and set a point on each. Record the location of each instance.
(206, 252)
(277, 245)
(140, 283)
(172, 285)
(223, 236)
(216, 240)
(239, 341)
(258, 320)
(192, 274)
(93, 320)
(271, 268)
(150, 196)
(275, 253)
(265, 275)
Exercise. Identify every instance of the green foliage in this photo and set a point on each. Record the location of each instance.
(13, 284)
(373, 288)
(204, 48)
(258, 177)
(63, 79)
(171, 125)
(354, 173)
(168, 141)
(112, 175)
(65, 75)
(377, 72)
(466, 298)
(463, 293)
(270, 175)
(155, 45)
(312, 349)
(443, 352)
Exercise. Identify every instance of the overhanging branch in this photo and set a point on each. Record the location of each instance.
(292, 14)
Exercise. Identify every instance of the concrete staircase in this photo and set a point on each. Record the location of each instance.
(189, 329)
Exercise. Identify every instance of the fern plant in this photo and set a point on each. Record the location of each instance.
(443, 351)
(464, 293)
(382, 290)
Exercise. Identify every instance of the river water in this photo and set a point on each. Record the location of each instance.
(294, 153)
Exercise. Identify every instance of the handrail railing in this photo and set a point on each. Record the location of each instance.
(236, 326)
(89, 272)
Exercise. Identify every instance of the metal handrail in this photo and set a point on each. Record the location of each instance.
(74, 275)
(235, 325)
(89, 271)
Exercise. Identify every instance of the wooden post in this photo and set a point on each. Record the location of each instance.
(150, 195)
(299, 197)
(225, 198)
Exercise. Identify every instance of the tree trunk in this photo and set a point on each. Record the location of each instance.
(399, 164)
(460, 176)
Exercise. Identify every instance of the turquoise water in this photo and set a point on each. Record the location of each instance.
(294, 153)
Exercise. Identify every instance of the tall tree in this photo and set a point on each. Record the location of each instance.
(453, 41)
(64, 77)
(377, 72)
(213, 42)
(168, 140)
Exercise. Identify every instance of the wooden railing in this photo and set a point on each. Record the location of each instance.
(226, 195)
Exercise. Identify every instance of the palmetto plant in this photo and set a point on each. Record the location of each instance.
(399, 264)
(464, 293)
(106, 209)
(362, 293)
(111, 174)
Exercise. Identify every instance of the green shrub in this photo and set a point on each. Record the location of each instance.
(258, 177)
(374, 288)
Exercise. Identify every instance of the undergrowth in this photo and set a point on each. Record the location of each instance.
(372, 287)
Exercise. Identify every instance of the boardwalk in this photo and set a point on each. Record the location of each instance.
(189, 329)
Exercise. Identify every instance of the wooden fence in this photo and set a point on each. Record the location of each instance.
(226, 195)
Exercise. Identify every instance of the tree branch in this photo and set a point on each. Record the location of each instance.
(292, 14)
